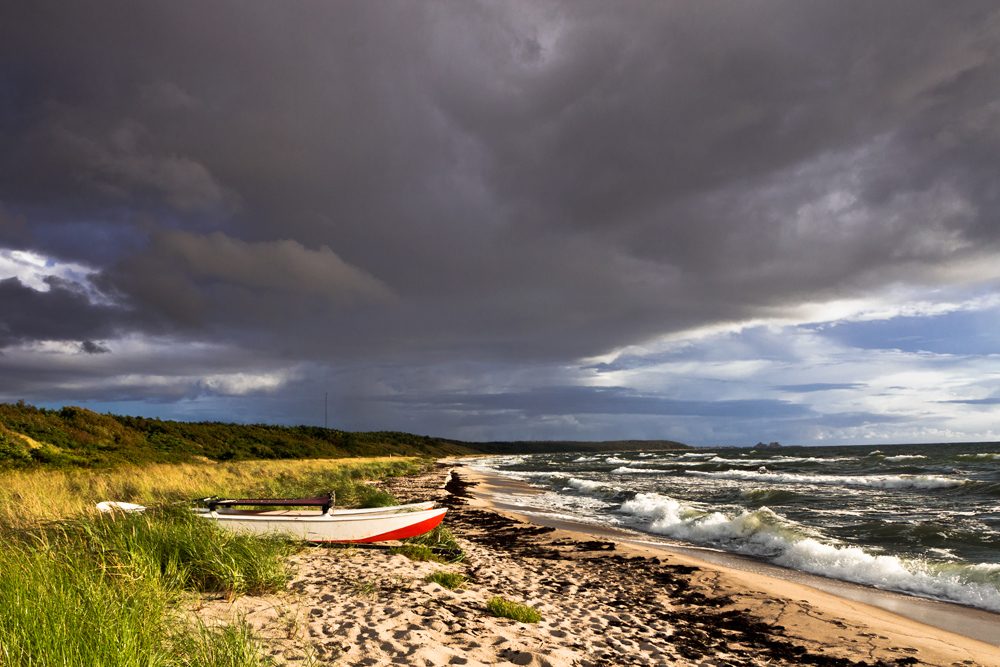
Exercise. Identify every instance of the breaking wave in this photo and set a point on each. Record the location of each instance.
(866, 481)
(763, 533)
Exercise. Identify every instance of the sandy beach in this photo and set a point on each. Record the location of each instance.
(603, 603)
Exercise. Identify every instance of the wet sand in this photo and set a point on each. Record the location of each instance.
(604, 602)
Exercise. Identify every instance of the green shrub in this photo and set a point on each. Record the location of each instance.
(451, 580)
(499, 606)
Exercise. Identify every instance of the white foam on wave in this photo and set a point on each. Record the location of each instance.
(590, 486)
(616, 460)
(755, 461)
(765, 534)
(863, 481)
(625, 470)
(586, 459)
(982, 456)
(976, 585)
(810, 459)
(905, 457)
(493, 462)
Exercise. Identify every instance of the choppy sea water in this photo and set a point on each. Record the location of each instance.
(916, 519)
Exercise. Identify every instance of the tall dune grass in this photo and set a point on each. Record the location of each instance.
(99, 590)
(28, 499)
(81, 588)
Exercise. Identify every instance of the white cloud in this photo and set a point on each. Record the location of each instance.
(31, 268)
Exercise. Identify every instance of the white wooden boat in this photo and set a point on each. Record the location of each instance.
(313, 526)
(330, 524)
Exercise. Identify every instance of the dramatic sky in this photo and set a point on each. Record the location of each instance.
(710, 221)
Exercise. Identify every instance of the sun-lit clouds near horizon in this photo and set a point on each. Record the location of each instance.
(712, 223)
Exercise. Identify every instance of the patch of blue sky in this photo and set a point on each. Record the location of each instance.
(98, 241)
(962, 332)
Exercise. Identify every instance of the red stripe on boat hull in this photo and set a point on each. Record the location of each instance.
(400, 533)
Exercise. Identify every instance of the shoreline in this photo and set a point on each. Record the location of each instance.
(889, 633)
(977, 624)
(604, 603)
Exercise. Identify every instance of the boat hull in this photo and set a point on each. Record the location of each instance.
(356, 528)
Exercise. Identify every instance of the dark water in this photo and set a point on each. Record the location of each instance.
(918, 519)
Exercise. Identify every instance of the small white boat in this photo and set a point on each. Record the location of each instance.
(330, 524)
(314, 526)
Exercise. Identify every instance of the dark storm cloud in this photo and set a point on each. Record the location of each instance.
(90, 347)
(13, 229)
(63, 313)
(536, 181)
(194, 278)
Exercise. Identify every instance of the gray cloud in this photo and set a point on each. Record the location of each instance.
(13, 229)
(90, 347)
(190, 278)
(63, 313)
(531, 182)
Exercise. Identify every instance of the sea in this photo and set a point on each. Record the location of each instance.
(923, 520)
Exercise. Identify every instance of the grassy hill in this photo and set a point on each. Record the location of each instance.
(72, 436)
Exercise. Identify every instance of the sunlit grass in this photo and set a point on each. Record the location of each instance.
(28, 499)
(440, 541)
(81, 588)
(451, 580)
(417, 552)
(98, 590)
(517, 611)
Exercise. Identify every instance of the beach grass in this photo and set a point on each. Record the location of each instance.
(440, 541)
(417, 552)
(450, 580)
(102, 590)
(82, 588)
(30, 498)
(517, 611)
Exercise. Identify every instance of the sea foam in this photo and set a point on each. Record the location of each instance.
(863, 481)
(765, 534)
